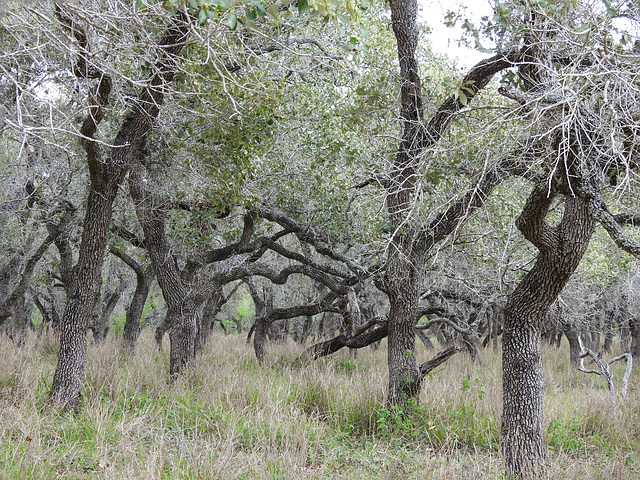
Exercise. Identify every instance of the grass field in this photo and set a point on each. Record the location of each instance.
(294, 418)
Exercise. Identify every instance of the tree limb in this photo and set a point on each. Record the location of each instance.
(438, 360)
(531, 222)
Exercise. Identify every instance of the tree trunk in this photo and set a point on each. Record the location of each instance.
(136, 308)
(181, 312)
(303, 329)
(522, 443)
(261, 327)
(424, 338)
(561, 249)
(107, 172)
(595, 339)
(237, 320)
(404, 374)
(55, 313)
(472, 344)
(69, 374)
(261, 323)
(100, 326)
(609, 330)
(573, 336)
(634, 350)
(625, 332)
(403, 265)
(211, 309)
(46, 318)
(20, 321)
(162, 328)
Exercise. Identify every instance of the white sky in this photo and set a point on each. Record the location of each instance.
(444, 39)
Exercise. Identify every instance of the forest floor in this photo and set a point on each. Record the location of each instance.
(295, 418)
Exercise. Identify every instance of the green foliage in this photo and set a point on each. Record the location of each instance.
(245, 308)
(346, 366)
(459, 426)
(467, 385)
(117, 324)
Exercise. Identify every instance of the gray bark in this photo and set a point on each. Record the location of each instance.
(181, 312)
(144, 280)
(573, 336)
(560, 251)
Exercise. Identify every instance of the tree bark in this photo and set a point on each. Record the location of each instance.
(404, 374)
(303, 329)
(20, 320)
(404, 263)
(144, 280)
(409, 245)
(561, 249)
(100, 326)
(181, 311)
(609, 329)
(211, 309)
(69, 373)
(573, 336)
(162, 328)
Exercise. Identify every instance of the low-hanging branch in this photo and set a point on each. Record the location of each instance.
(446, 321)
(281, 277)
(323, 305)
(438, 360)
(364, 336)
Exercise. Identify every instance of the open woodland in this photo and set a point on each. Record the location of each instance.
(285, 239)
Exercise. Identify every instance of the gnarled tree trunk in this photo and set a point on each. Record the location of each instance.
(181, 311)
(561, 249)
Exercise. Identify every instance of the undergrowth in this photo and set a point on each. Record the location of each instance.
(294, 418)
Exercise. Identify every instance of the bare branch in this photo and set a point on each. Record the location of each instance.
(446, 321)
(438, 360)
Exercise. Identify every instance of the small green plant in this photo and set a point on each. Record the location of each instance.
(117, 324)
(347, 366)
(563, 437)
(466, 385)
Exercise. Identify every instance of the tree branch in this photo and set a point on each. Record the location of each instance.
(531, 221)
(438, 360)
(612, 225)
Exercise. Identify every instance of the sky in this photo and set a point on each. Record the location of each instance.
(444, 39)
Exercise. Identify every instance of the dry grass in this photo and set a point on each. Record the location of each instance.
(292, 418)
